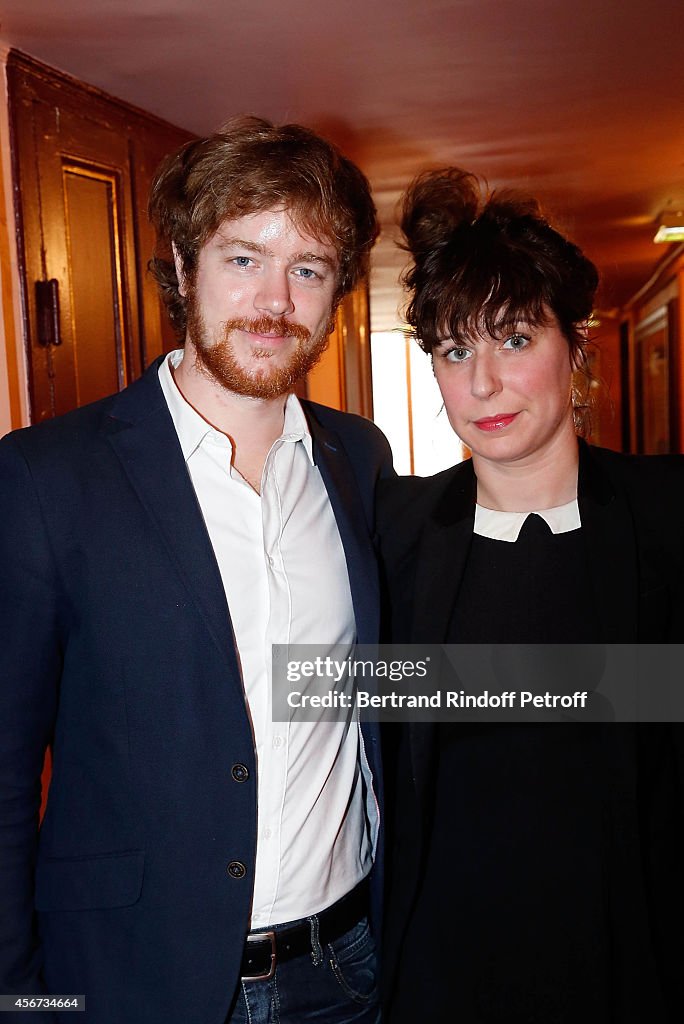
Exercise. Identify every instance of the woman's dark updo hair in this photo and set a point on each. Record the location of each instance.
(483, 259)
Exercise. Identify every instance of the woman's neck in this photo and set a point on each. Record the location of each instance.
(548, 481)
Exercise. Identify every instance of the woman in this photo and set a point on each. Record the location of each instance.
(537, 869)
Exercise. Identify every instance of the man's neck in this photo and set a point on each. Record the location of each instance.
(252, 424)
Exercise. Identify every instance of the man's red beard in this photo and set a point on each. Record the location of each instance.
(216, 356)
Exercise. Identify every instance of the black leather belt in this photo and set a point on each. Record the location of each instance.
(265, 950)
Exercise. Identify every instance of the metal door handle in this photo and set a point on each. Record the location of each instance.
(47, 312)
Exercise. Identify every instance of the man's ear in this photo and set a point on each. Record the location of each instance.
(180, 273)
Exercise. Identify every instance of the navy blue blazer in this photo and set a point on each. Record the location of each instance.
(118, 652)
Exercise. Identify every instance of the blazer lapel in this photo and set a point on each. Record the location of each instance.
(142, 434)
(611, 550)
(442, 554)
(342, 488)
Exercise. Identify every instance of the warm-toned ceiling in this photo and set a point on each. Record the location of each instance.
(580, 102)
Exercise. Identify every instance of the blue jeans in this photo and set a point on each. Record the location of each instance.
(335, 984)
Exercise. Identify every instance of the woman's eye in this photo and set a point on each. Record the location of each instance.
(516, 342)
(458, 355)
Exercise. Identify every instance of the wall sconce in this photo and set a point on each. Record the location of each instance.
(670, 226)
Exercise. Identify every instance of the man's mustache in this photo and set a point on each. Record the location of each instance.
(279, 326)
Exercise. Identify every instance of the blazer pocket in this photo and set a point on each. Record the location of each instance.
(90, 883)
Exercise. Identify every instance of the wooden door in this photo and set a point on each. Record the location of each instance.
(83, 163)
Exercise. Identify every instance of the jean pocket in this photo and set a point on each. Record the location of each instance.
(354, 963)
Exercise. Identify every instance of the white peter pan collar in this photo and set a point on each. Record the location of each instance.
(507, 525)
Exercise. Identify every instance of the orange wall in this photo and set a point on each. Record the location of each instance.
(608, 427)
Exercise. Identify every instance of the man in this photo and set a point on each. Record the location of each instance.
(154, 546)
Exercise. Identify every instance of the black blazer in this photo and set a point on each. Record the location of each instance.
(632, 512)
(117, 650)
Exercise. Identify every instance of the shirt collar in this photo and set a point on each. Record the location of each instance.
(295, 427)
(507, 525)
(193, 428)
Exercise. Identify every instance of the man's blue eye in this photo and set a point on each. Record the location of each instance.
(306, 272)
(242, 261)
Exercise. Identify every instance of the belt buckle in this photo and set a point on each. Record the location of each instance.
(271, 971)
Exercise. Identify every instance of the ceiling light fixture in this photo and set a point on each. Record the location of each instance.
(670, 226)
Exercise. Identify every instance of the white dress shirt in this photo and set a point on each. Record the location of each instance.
(507, 525)
(285, 576)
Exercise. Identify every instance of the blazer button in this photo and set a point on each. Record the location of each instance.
(236, 869)
(240, 772)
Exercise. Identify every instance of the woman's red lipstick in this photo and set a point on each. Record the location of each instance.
(494, 423)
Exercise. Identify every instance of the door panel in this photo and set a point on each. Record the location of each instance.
(98, 330)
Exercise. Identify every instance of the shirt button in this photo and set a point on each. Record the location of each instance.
(267, 833)
(277, 742)
(240, 772)
(236, 869)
